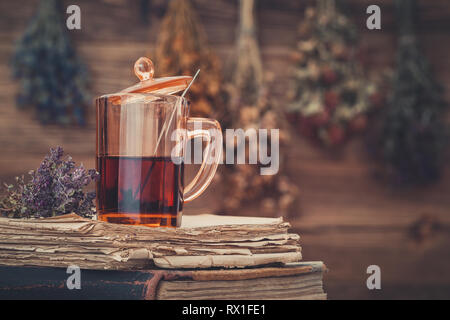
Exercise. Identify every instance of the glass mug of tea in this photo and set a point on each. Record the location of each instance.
(142, 133)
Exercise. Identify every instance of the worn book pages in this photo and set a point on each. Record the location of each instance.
(203, 241)
(298, 281)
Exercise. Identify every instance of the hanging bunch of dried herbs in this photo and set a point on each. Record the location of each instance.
(412, 133)
(330, 97)
(251, 107)
(182, 49)
(55, 188)
(53, 79)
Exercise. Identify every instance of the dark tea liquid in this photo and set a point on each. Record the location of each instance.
(140, 190)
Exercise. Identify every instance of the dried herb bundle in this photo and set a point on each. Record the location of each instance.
(182, 49)
(412, 136)
(55, 188)
(53, 79)
(250, 106)
(330, 95)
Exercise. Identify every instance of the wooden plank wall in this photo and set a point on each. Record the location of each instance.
(346, 218)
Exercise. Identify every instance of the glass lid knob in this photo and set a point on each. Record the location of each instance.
(144, 69)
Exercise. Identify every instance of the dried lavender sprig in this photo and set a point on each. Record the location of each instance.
(55, 188)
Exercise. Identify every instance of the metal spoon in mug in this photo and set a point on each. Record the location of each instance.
(167, 124)
(164, 128)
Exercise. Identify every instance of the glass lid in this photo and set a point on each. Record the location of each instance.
(144, 70)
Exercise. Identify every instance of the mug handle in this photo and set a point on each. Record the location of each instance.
(210, 160)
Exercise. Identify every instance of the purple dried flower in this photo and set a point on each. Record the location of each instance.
(55, 188)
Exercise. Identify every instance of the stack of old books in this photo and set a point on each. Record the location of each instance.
(209, 257)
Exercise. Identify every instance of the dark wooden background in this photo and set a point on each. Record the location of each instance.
(346, 218)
